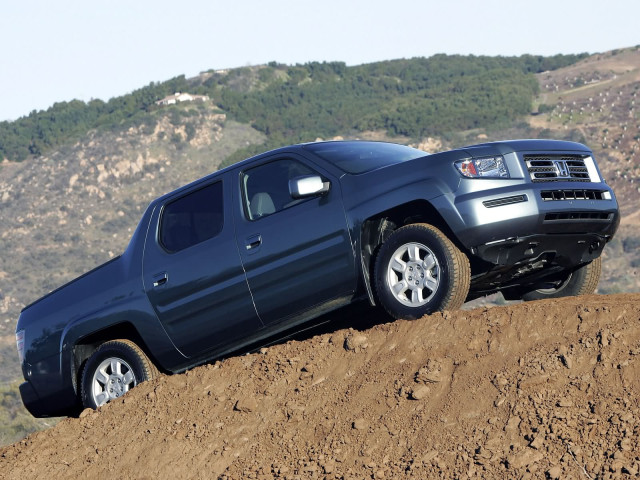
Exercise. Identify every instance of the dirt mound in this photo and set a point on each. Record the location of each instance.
(543, 389)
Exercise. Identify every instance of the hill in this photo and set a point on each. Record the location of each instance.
(536, 390)
(89, 170)
(596, 101)
(299, 103)
(74, 204)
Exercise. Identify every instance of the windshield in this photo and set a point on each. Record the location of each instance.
(360, 157)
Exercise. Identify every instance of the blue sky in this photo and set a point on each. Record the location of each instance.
(65, 49)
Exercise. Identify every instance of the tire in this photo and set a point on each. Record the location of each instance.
(114, 368)
(419, 271)
(582, 281)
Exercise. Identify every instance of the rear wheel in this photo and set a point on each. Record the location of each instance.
(418, 271)
(114, 368)
(582, 281)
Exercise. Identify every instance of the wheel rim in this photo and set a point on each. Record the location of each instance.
(413, 274)
(112, 379)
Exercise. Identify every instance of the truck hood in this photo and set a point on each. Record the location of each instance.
(510, 146)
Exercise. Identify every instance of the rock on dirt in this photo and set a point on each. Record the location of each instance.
(534, 390)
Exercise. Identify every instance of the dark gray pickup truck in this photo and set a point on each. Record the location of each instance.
(276, 240)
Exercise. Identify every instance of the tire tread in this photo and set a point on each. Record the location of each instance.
(458, 269)
(149, 370)
(592, 274)
(584, 281)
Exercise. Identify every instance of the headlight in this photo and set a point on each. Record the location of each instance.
(488, 167)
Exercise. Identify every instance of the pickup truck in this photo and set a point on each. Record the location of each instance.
(262, 246)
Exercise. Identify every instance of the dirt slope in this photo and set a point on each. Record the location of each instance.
(543, 389)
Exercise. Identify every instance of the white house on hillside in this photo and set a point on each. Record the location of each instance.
(182, 97)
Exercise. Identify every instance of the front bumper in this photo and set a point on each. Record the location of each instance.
(519, 222)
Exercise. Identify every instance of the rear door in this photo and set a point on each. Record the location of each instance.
(193, 274)
(297, 253)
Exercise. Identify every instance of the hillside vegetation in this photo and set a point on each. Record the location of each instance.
(291, 103)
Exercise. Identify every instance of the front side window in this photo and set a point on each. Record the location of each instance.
(266, 188)
(192, 219)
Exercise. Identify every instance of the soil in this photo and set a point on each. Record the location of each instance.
(547, 389)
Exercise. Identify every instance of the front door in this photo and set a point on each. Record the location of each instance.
(297, 253)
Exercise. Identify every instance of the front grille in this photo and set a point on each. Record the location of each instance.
(580, 194)
(556, 168)
(579, 216)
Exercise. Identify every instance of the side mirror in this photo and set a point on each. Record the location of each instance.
(302, 187)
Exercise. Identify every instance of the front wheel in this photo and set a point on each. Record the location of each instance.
(582, 281)
(419, 271)
(114, 368)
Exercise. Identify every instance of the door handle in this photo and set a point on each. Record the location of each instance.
(160, 279)
(253, 242)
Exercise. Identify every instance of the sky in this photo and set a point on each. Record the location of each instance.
(62, 50)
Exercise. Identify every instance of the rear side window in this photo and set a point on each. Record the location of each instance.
(192, 219)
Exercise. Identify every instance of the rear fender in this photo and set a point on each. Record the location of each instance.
(80, 338)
